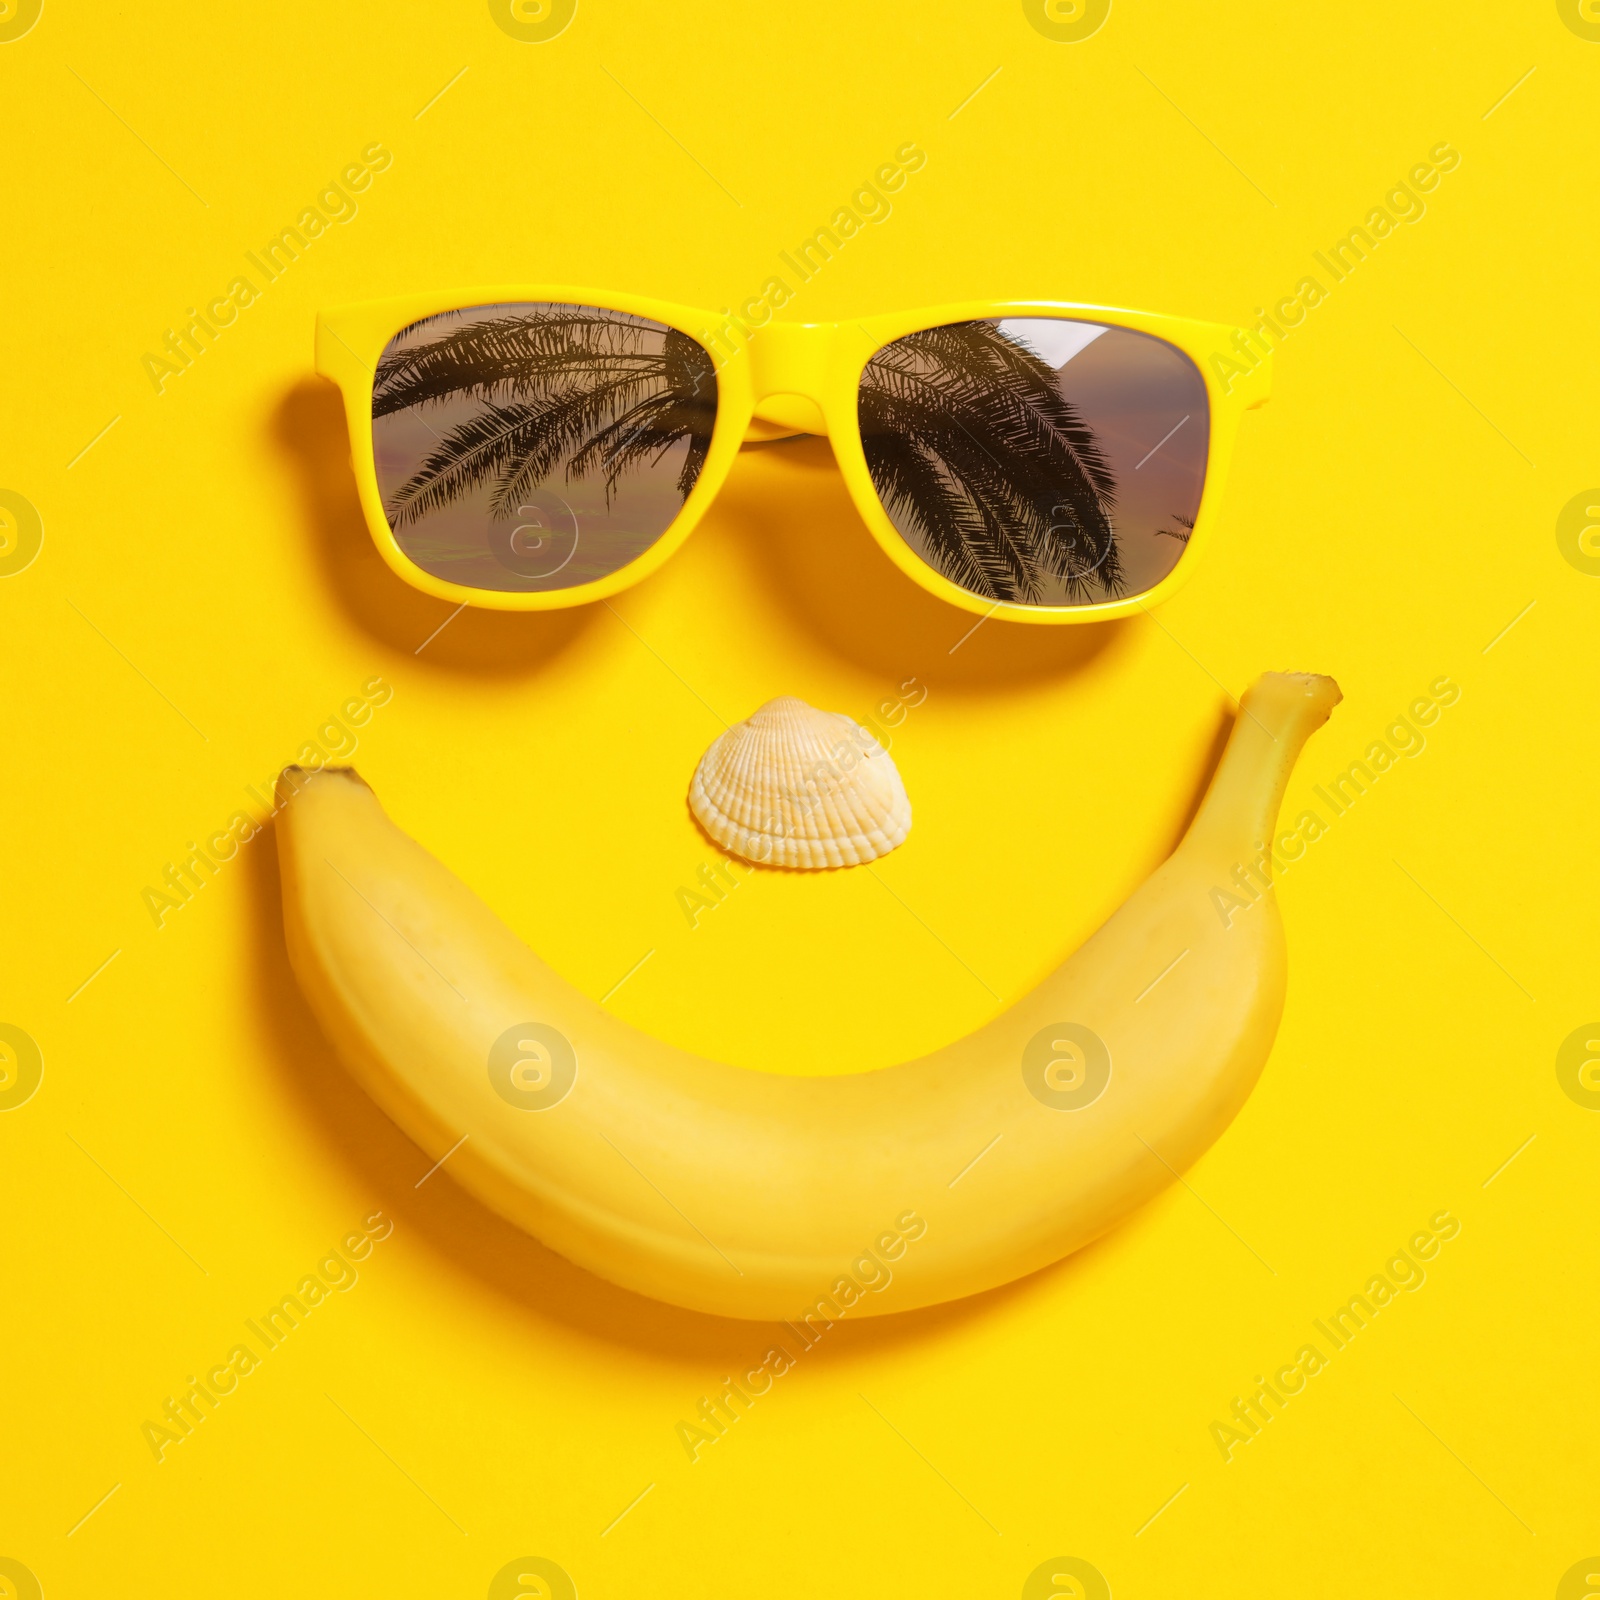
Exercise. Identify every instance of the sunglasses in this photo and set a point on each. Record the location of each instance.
(530, 448)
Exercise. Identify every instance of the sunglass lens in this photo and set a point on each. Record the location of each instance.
(537, 446)
(1042, 461)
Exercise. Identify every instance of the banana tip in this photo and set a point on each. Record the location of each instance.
(295, 780)
(1319, 684)
(1316, 686)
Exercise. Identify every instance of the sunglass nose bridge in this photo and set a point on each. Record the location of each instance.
(788, 362)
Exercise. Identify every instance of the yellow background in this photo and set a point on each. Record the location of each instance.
(206, 596)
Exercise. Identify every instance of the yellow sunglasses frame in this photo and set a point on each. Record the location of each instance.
(776, 373)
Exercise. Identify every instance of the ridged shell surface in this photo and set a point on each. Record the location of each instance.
(793, 786)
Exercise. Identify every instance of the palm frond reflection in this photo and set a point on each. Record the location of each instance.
(971, 443)
(540, 401)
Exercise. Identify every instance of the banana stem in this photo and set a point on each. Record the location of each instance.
(1278, 713)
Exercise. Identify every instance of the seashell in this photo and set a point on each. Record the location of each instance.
(796, 787)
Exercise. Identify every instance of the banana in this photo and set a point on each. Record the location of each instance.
(752, 1194)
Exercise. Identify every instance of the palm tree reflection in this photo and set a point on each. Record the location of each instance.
(975, 453)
